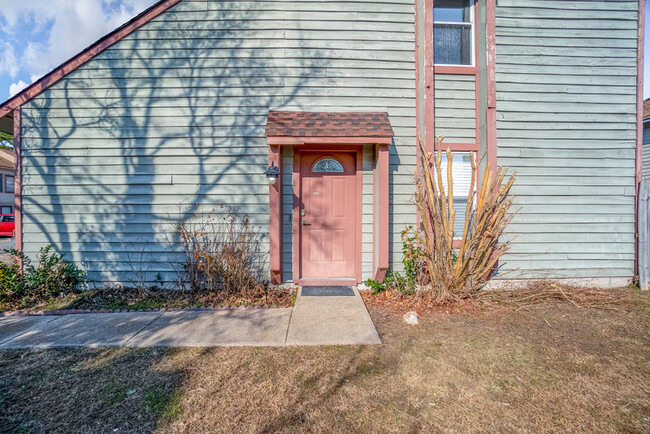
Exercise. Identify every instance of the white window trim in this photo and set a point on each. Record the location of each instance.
(472, 24)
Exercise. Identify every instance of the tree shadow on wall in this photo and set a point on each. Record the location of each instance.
(174, 113)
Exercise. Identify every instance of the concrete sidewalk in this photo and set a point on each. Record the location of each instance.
(313, 321)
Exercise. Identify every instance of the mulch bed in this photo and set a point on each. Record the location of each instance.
(398, 304)
(133, 300)
(79, 311)
(538, 292)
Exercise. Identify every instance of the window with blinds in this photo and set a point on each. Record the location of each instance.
(461, 172)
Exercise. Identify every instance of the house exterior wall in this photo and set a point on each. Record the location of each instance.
(175, 113)
(566, 110)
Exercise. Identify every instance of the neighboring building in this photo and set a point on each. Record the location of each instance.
(193, 100)
(646, 139)
(7, 161)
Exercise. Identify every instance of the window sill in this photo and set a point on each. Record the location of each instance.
(454, 69)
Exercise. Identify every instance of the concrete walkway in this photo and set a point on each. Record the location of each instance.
(313, 321)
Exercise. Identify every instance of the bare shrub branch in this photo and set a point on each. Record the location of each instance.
(140, 262)
(222, 250)
(460, 275)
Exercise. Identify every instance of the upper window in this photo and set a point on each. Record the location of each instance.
(327, 165)
(453, 30)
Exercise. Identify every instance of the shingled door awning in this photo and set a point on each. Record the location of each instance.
(295, 128)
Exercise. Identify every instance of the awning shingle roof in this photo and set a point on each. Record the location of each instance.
(328, 124)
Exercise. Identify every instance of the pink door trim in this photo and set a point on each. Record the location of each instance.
(275, 219)
(380, 212)
(297, 182)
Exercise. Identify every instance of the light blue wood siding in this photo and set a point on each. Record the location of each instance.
(455, 107)
(367, 217)
(566, 110)
(175, 113)
(287, 213)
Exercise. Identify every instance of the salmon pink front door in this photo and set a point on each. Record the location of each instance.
(328, 214)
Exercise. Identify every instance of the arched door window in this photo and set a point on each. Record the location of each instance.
(327, 165)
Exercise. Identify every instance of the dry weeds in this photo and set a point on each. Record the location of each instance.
(547, 369)
(549, 291)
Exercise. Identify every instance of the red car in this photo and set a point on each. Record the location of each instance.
(7, 225)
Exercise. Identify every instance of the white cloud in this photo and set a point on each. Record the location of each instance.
(8, 61)
(17, 87)
(75, 24)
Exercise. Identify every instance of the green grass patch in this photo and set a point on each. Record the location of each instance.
(165, 404)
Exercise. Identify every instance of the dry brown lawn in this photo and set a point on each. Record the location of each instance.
(552, 368)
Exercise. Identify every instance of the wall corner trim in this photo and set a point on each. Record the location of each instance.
(18, 181)
(491, 116)
(639, 128)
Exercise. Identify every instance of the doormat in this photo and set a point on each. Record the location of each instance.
(324, 291)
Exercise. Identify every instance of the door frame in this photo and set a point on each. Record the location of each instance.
(297, 196)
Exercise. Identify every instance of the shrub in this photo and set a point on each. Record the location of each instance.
(51, 277)
(12, 283)
(222, 251)
(459, 273)
(413, 262)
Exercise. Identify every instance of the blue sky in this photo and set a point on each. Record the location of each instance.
(38, 35)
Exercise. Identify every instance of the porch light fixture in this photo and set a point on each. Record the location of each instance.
(272, 173)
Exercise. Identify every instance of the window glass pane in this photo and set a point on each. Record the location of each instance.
(327, 165)
(6, 210)
(451, 11)
(452, 45)
(461, 172)
(9, 184)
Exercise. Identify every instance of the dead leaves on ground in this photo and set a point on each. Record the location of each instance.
(523, 297)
